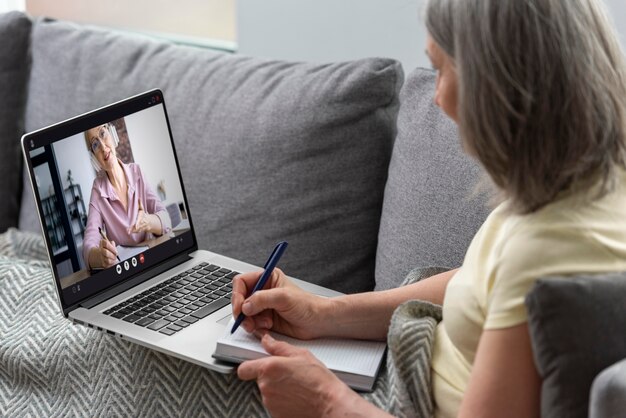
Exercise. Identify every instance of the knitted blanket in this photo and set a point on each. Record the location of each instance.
(51, 367)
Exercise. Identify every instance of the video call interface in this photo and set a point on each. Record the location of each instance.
(111, 201)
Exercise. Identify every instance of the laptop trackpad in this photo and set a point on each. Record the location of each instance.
(224, 320)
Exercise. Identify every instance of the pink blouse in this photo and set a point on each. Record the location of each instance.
(107, 212)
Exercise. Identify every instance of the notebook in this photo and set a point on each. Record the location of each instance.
(355, 362)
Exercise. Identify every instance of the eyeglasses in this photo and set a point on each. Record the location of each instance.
(98, 141)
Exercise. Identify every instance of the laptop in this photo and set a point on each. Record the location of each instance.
(160, 290)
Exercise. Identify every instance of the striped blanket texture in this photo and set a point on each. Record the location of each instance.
(51, 367)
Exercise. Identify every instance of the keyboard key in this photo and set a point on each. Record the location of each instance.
(218, 274)
(190, 319)
(185, 311)
(171, 318)
(131, 318)
(182, 323)
(177, 305)
(158, 324)
(211, 267)
(167, 331)
(210, 308)
(118, 315)
(232, 274)
(174, 327)
(144, 321)
(159, 304)
(177, 315)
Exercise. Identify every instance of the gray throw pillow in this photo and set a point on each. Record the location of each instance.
(14, 72)
(429, 216)
(269, 150)
(577, 329)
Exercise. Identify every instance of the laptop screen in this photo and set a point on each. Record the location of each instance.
(109, 193)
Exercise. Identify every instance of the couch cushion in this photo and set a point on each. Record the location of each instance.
(269, 150)
(429, 216)
(577, 329)
(14, 67)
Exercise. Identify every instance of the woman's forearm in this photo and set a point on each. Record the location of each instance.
(156, 227)
(367, 315)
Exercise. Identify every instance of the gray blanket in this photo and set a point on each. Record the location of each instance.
(50, 367)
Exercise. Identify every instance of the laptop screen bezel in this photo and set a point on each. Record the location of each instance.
(81, 123)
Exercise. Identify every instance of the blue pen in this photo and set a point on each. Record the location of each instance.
(267, 272)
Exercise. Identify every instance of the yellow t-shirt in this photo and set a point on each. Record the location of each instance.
(506, 256)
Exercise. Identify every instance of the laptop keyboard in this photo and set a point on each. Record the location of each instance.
(179, 301)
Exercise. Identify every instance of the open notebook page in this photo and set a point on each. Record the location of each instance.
(125, 253)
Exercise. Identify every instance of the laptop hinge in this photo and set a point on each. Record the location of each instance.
(122, 287)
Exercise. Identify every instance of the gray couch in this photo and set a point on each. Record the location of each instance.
(349, 162)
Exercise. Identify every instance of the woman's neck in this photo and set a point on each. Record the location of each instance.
(117, 177)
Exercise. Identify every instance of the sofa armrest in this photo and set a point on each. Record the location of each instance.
(608, 392)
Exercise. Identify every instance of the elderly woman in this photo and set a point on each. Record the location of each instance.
(122, 205)
(538, 90)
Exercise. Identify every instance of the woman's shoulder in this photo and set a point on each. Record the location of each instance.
(570, 232)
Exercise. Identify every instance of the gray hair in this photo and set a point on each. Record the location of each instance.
(542, 93)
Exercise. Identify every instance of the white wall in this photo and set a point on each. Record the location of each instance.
(334, 30)
(152, 149)
(8, 5)
(618, 13)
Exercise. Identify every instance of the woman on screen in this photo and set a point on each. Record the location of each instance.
(123, 209)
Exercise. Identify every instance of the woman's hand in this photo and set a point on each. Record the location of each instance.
(146, 222)
(103, 256)
(142, 223)
(292, 382)
(281, 306)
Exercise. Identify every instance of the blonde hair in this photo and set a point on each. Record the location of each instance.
(542, 93)
(94, 161)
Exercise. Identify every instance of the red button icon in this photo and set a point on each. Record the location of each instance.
(141, 259)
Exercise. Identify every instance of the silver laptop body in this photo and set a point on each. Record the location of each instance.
(59, 164)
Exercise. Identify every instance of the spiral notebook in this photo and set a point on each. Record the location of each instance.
(355, 362)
